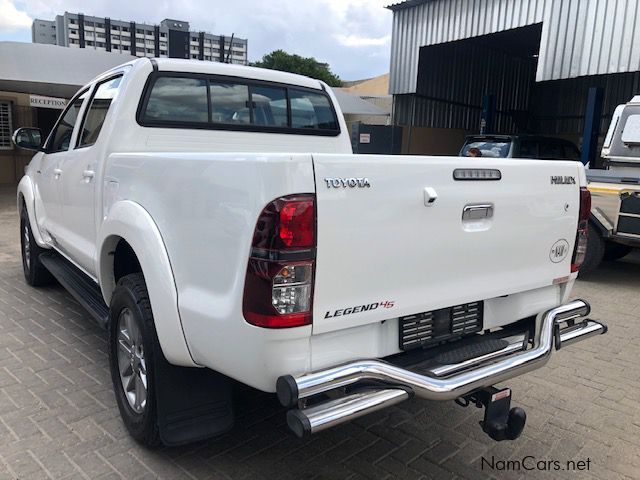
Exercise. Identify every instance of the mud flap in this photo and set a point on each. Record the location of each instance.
(192, 403)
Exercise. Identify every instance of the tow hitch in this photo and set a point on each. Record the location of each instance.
(500, 421)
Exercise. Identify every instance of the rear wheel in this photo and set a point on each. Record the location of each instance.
(615, 251)
(35, 273)
(595, 252)
(133, 345)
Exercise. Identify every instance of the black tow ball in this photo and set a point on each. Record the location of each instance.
(500, 421)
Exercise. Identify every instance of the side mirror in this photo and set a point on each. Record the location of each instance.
(28, 138)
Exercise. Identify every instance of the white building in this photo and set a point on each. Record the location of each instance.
(172, 38)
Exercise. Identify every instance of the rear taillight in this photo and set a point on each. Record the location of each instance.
(582, 235)
(278, 290)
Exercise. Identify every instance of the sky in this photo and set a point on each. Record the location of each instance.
(352, 36)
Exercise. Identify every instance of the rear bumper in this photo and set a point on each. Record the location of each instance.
(559, 326)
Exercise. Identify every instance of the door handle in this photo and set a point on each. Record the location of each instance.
(477, 212)
(56, 173)
(88, 174)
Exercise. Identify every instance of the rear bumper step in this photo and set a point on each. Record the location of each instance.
(558, 327)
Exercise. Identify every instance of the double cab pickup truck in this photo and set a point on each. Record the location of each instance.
(214, 220)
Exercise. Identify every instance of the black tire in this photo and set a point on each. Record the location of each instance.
(35, 273)
(595, 252)
(615, 251)
(131, 301)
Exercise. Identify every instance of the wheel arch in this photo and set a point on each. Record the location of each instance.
(129, 228)
(26, 196)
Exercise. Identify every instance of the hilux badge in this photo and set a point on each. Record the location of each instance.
(559, 251)
(560, 180)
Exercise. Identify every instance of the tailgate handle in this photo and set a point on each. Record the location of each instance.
(477, 212)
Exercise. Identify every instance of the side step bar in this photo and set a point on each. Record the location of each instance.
(291, 389)
(84, 289)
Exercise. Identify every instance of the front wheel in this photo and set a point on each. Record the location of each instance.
(35, 273)
(133, 345)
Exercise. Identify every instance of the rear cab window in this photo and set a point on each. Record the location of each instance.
(489, 147)
(209, 102)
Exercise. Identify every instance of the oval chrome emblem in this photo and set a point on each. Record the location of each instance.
(559, 251)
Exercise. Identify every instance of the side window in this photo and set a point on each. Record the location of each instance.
(230, 103)
(311, 111)
(61, 135)
(269, 106)
(97, 112)
(177, 99)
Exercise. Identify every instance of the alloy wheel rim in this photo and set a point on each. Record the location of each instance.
(131, 362)
(26, 246)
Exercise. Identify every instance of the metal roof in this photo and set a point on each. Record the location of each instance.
(52, 70)
(354, 105)
(579, 37)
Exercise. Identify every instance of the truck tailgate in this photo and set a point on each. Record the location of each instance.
(383, 253)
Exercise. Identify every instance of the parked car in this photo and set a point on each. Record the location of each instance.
(214, 220)
(615, 211)
(519, 146)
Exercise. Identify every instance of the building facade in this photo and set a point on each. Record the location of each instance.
(544, 67)
(172, 38)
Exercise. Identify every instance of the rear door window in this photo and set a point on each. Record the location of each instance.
(97, 112)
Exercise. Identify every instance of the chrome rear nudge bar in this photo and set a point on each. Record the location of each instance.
(469, 378)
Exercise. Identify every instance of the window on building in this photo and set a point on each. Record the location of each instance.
(175, 99)
(139, 50)
(6, 126)
(139, 30)
(88, 23)
(100, 44)
(125, 47)
(100, 25)
(115, 37)
(207, 57)
(61, 135)
(73, 41)
(163, 44)
(73, 32)
(149, 33)
(90, 44)
(97, 112)
(151, 51)
(163, 35)
(194, 39)
(194, 56)
(125, 29)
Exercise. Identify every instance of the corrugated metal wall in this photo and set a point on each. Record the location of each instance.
(579, 37)
(452, 80)
(558, 107)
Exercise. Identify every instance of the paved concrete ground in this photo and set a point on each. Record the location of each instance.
(58, 416)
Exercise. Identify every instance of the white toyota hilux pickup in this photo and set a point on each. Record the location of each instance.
(214, 220)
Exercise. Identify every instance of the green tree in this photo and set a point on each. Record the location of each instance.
(309, 66)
